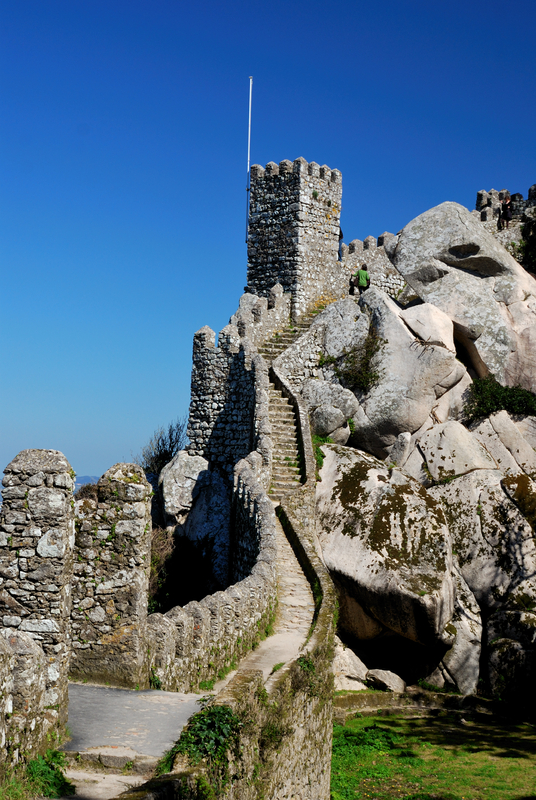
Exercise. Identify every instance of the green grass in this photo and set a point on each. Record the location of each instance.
(41, 777)
(433, 758)
(318, 441)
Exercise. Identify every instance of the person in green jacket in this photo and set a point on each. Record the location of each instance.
(362, 279)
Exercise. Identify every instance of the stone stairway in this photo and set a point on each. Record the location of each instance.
(283, 339)
(287, 468)
(286, 472)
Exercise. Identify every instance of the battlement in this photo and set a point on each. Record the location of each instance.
(489, 203)
(297, 167)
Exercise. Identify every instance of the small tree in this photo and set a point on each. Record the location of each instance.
(163, 445)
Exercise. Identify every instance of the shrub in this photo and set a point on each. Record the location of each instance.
(356, 369)
(87, 491)
(487, 395)
(45, 774)
(318, 441)
(210, 734)
(163, 445)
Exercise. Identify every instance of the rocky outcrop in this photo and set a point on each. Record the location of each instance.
(349, 672)
(385, 542)
(411, 377)
(453, 263)
(197, 506)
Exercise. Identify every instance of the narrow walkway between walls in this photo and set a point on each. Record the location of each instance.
(118, 735)
(295, 611)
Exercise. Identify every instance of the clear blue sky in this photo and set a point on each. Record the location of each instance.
(123, 130)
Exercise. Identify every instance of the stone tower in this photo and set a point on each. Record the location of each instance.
(293, 236)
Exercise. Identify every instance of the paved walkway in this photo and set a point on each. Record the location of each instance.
(295, 612)
(148, 722)
(122, 728)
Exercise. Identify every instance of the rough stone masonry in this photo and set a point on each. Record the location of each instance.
(36, 561)
(293, 236)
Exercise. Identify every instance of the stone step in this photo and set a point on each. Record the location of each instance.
(289, 485)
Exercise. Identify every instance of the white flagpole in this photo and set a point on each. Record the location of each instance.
(249, 153)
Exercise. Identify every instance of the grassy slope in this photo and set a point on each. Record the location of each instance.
(433, 758)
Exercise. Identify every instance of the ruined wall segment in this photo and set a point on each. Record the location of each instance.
(222, 397)
(111, 578)
(293, 235)
(36, 562)
(28, 719)
(258, 318)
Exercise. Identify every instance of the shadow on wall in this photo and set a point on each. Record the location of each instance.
(231, 437)
(190, 556)
(181, 570)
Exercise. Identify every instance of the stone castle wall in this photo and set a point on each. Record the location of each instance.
(222, 397)
(36, 564)
(488, 204)
(36, 561)
(372, 253)
(111, 577)
(293, 235)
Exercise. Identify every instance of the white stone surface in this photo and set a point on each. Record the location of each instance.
(450, 450)
(430, 324)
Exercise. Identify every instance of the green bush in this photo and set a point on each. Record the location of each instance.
(487, 395)
(318, 441)
(356, 369)
(209, 735)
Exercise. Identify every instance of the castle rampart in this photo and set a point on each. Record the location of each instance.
(222, 397)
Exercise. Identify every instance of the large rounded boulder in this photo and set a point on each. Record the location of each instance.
(386, 544)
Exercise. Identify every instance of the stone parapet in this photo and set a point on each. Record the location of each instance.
(36, 562)
(489, 203)
(371, 252)
(222, 406)
(258, 317)
(111, 577)
(222, 397)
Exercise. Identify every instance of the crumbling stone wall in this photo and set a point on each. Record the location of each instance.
(222, 396)
(258, 318)
(488, 204)
(111, 578)
(293, 236)
(29, 719)
(36, 563)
